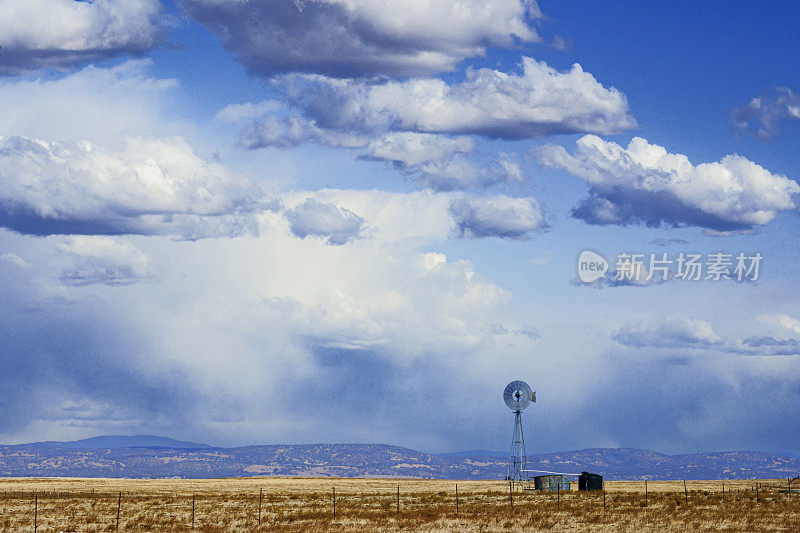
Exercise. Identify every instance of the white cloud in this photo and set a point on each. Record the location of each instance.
(102, 105)
(537, 102)
(63, 33)
(783, 321)
(762, 116)
(645, 183)
(292, 131)
(247, 111)
(15, 260)
(420, 125)
(104, 260)
(152, 186)
(351, 38)
(417, 149)
(496, 216)
(673, 331)
(320, 219)
(439, 162)
(677, 333)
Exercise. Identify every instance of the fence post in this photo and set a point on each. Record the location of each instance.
(511, 496)
(645, 492)
(334, 503)
(119, 504)
(604, 495)
(260, 494)
(398, 499)
(723, 492)
(685, 493)
(756, 492)
(192, 511)
(558, 497)
(456, 499)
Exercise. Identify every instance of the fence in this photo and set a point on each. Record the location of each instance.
(40, 510)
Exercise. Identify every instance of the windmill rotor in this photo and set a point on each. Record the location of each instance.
(518, 395)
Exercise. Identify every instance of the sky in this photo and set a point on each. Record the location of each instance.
(355, 221)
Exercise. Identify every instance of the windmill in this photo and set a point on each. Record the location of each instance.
(518, 396)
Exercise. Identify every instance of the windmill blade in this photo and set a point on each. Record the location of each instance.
(518, 395)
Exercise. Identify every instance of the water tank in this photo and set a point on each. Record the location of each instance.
(551, 482)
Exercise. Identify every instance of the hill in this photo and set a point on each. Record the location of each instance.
(373, 460)
(123, 441)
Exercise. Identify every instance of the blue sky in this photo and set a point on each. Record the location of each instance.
(342, 221)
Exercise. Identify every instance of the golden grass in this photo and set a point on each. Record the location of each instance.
(295, 504)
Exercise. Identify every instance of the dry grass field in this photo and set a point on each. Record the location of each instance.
(292, 504)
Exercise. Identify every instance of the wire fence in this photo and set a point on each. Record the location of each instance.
(109, 511)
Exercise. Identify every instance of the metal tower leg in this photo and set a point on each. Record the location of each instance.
(518, 463)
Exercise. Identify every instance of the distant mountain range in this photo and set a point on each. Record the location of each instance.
(112, 442)
(145, 456)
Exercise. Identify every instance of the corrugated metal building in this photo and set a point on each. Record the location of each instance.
(588, 481)
(551, 482)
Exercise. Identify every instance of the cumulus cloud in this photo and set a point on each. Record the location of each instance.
(153, 186)
(762, 116)
(536, 102)
(674, 331)
(353, 38)
(292, 131)
(59, 34)
(417, 149)
(682, 333)
(441, 163)
(496, 216)
(104, 260)
(644, 183)
(420, 125)
(334, 224)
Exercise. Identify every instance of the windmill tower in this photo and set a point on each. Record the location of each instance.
(518, 396)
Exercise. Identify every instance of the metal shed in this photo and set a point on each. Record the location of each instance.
(588, 481)
(551, 482)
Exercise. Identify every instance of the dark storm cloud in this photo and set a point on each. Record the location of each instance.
(644, 402)
(55, 356)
